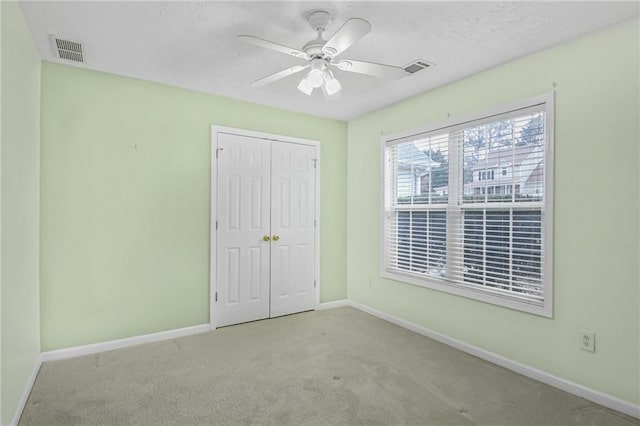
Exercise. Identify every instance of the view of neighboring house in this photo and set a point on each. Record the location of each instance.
(413, 170)
(505, 171)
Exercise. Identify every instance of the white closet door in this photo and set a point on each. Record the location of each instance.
(243, 204)
(292, 228)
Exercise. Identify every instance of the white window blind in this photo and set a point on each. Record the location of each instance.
(465, 207)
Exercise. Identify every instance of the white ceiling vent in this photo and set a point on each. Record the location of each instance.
(417, 65)
(67, 49)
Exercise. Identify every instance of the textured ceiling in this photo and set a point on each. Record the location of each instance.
(193, 44)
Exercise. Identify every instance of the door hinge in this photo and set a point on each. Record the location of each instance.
(315, 223)
(315, 162)
(218, 151)
(315, 284)
(216, 297)
(216, 225)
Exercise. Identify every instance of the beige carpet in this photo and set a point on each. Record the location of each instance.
(334, 367)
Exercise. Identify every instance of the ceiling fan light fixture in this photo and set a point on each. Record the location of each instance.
(314, 78)
(305, 87)
(331, 84)
(332, 87)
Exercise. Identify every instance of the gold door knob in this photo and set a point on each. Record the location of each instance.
(266, 238)
(275, 238)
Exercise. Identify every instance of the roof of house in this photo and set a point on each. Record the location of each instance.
(408, 153)
(537, 175)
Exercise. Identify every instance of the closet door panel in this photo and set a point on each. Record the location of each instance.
(243, 215)
(292, 228)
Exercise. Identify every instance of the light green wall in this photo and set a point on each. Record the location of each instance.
(20, 212)
(126, 202)
(596, 213)
(125, 207)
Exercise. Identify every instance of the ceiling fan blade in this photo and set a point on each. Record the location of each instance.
(369, 68)
(353, 30)
(278, 75)
(273, 46)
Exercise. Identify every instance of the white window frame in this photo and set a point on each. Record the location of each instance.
(434, 283)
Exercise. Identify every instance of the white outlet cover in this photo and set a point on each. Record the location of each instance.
(588, 341)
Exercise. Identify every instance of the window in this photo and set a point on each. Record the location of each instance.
(486, 174)
(449, 224)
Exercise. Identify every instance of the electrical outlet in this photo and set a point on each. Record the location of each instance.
(588, 341)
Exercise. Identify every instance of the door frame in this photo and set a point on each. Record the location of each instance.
(215, 131)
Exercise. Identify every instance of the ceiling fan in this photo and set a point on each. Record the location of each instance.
(322, 56)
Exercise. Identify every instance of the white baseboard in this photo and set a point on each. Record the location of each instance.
(331, 305)
(531, 372)
(27, 391)
(77, 351)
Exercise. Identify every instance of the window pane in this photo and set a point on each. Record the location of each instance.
(420, 242)
(437, 243)
(503, 161)
(503, 250)
(497, 248)
(474, 246)
(527, 250)
(422, 170)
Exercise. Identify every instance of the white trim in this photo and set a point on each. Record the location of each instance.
(317, 223)
(332, 305)
(215, 131)
(213, 202)
(548, 212)
(527, 371)
(486, 113)
(27, 391)
(533, 373)
(446, 286)
(94, 348)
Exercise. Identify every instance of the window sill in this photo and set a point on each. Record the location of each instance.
(445, 286)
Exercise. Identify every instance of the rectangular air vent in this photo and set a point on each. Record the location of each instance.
(66, 49)
(417, 65)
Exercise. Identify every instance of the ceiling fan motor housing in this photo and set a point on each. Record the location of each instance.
(314, 48)
(320, 20)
